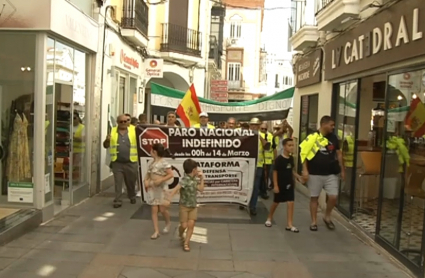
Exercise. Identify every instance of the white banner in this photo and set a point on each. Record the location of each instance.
(231, 182)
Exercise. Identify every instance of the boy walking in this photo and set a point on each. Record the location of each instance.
(191, 183)
(283, 184)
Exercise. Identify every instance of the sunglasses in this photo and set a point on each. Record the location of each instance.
(123, 122)
(263, 128)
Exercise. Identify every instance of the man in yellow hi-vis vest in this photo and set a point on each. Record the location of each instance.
(268, 160)
(254, 124)
(203, 118)
(322, 164)
(123, 149)
(78, 146)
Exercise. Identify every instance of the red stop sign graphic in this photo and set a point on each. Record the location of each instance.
(151, 136)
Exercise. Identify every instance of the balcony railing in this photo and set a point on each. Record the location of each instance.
(234, 84)
(180, 39)
(322, 4)
(135, 16)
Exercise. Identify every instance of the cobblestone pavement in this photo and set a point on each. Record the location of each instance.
(93, 240)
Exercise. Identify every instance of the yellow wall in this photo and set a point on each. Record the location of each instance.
(193, 14)
(118, 5)
(158, 14)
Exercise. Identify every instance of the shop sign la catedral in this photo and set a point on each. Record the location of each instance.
(393, 35)
(226, 156)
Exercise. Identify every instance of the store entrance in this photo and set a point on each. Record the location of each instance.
(380, 121)
(65, 162)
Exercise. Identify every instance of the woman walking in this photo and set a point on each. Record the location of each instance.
(159, 172)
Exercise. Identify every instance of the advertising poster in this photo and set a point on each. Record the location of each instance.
(226, 156)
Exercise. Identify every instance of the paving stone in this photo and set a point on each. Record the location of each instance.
(101, 271)
(197, 274)
(174, 272)
(71, 246)
(216, 265)
(223, 274)
(59, 255)
(134, 272)
(9, 252)
(46, 267)
(5, 262)
(247, 275)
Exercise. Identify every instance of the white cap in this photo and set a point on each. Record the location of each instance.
(203, 114)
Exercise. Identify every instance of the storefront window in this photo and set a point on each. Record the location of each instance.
(403, 202)
(308, 118)
(17, 60)
(346, 132)
(65, 123)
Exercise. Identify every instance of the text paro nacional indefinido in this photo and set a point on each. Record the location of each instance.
(212, 141)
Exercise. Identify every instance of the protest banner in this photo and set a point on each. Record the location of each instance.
(226, 156)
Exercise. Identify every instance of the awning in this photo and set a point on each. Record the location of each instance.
(274, 107)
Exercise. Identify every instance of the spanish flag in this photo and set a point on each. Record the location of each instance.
(415, 118)
(189, 108)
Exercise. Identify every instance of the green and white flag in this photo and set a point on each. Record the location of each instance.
(274, 107)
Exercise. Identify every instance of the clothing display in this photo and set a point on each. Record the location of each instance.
(18, 159)
(62, 146)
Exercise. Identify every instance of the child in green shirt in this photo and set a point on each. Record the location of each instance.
(190, 184)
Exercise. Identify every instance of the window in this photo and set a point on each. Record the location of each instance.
(276, 85)
(234, 75)
(235, 29)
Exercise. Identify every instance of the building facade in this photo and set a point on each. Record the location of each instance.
(280, 75)
(245, 55)
(369, 60)
(47, 85)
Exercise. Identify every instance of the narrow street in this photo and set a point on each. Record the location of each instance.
(92, 240)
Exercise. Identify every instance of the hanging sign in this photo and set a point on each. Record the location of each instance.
(154, 68)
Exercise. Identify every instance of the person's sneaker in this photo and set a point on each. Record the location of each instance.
(253, 212)
(268, 223)
(117, 205)
(264, 197)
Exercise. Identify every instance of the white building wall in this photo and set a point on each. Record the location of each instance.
(250, 41)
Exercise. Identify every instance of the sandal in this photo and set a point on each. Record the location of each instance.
(268, 223)
(155, 236)
(292, 229)
(329, 224)
(186, 247)
(166, 229)
(313, 228)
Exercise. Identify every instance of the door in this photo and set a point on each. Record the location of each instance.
(402, 187)
(346, 107)
(176, 32)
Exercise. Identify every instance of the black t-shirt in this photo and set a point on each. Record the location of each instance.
(284, 167)
(325, 162)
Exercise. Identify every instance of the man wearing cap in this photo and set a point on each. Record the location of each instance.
(203, 118)
(254, 124)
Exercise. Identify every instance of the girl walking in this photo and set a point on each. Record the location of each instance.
(159, 172)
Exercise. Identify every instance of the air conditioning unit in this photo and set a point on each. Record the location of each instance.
(233, 41)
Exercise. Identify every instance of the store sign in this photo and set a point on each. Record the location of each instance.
(309, 69)
(59, 16)
(20, 192)
(226, 157)
(393, 35)
(154, 68)
(128, 62)
(218, 90)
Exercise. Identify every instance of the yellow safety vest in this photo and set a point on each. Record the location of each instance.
(260, 158)
(113, 148)
(268, 154)
(79, 147)
(311, 145)
(199, 126)
(340, 134)
(349, 153)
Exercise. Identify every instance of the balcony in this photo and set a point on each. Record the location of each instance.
(234, 85)
(134, 22)
(181, 40)
(305, 37)
(336, 14)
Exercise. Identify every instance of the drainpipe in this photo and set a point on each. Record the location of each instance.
(99, 176)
